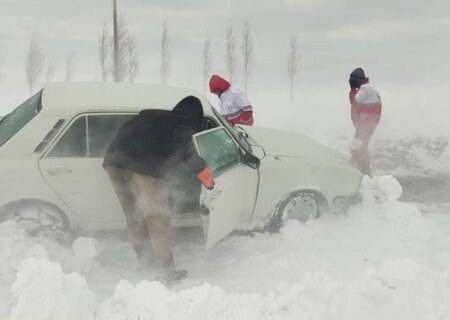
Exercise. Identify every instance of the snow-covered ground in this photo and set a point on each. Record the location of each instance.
(381, 259)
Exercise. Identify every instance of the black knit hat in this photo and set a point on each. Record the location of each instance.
(358, 73)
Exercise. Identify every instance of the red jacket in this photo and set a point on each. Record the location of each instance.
(365, 102)
(234, 105)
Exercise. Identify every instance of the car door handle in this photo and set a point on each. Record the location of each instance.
(215, 194)
(56, 171)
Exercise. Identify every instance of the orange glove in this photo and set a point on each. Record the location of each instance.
(205, 176)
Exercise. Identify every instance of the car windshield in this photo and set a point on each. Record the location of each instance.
(240, 138)
(19, 117)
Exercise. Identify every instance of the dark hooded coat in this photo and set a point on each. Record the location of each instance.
(158, 143)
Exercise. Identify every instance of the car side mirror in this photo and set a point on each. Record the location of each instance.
(258, 152)
(251, 161)
(242, 132)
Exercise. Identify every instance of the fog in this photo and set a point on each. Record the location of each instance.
(384, 258)
(403, 45)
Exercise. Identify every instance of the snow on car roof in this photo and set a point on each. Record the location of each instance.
(66, 99)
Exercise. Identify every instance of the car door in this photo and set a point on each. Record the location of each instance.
(232, 200)
(73, 168)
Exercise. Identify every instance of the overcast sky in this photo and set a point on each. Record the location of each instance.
(401, 43)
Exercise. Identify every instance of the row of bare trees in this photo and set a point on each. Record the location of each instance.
(36, 63)
(124, 66)
(247, 47)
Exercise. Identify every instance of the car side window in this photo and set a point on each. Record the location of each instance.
(73, 143)
(49, 136)
(101, 131)
(218, 149)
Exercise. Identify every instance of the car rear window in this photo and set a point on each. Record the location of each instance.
(89, 136)
(73, 143)
(101, 131)
(50, 135)
(19, 117)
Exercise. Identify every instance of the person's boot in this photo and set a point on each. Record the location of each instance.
(144, 255)
(169, 276)
(174, 276)
(166, 272)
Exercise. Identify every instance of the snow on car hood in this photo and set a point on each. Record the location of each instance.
(291, 144)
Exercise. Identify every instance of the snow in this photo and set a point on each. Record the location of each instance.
(42, 291)
(381, 259)
(84, 251)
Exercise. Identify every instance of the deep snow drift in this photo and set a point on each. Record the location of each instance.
(381, 259)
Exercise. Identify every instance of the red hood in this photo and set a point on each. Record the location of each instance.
(218, 83)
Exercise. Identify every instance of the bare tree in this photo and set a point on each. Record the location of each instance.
(115, 57)
(206, 60)
(247, 51)
(51, 69)
(293, 62)
(165, 54)
(104, 49)
(230, 41)
(34, 62)
(70, 65)
(119, 66)
(132, 58)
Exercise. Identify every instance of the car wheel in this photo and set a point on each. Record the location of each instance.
(300, 205)
(38, 218)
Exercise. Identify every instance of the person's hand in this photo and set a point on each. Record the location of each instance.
(205, 176)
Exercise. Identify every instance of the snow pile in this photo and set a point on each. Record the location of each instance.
(44, 292)
(382, 259)
(382, 189)
(15, 246)
(411, 155)
(425, 155)
(151, 300)
(84, 251)
(397, 289)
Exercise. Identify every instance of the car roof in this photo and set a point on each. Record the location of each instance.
(70, 98)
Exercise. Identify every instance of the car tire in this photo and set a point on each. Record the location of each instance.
(301, 205)
(38, 218)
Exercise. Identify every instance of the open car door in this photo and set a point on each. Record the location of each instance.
(232, 200)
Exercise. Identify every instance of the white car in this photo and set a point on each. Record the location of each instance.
(52, 148)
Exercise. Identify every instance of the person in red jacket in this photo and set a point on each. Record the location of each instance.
(365, 113)
(234, 105)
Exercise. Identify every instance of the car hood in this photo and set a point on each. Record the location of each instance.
(283, 143)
